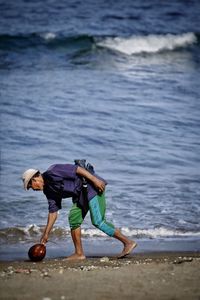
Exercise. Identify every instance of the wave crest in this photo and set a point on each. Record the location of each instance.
(48, 40)
(148, 44)
(129, 46)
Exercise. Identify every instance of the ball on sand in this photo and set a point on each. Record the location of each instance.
(37, 252)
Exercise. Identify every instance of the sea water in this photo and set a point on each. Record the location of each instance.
(116, 83)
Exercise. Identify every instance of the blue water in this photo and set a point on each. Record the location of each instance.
(117, 83)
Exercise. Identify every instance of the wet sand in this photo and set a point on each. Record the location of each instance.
(140, 276)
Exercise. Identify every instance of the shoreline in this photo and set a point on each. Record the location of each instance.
(134, 257)
(98, 247)
(160, 275)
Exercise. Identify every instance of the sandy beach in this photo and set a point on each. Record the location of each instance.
(140, 276)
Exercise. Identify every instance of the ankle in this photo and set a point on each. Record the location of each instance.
(79, 253)
(129, 242)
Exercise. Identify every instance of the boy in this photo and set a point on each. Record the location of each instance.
(64, 181)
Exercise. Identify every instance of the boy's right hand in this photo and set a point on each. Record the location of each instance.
(99, 184)
(44, 239)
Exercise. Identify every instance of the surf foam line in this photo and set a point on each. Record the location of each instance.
(33, 231)
(148, 44)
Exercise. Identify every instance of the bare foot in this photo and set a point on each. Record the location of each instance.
(127, 249)
(76, 256)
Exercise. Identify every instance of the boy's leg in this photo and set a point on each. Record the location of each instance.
(76, 237)
(97, 207)
(129, 245)
(97, 212)
(76, 217)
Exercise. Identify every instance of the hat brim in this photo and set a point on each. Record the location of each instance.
(28, 178)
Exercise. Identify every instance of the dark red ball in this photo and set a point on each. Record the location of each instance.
(37, 252)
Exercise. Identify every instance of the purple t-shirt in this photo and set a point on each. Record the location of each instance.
(61, 181)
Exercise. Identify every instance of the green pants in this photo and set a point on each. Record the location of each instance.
(97, 208)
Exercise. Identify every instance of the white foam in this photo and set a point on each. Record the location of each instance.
(148, 44)
(148, 233)
(158, 232)
(48, 36)
(92, 232)
(161, 232)
(32, 228)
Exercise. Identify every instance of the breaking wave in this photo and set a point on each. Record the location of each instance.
(31, 232)
(48, 40)
(149, 44)
(129, 46)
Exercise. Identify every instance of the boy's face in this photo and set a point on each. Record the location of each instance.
(36, 183)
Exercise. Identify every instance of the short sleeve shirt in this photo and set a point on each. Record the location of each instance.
(61, 181)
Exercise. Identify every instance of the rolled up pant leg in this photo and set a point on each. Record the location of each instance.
(76, 216)
(97, 207)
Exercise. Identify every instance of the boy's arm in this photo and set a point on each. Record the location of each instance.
(50, 222)
(99, 184)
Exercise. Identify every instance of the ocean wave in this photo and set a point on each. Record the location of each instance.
(160, 232)
(31, 232)
(49, 40)
(129, 46)
(48, 36)
(149, 44)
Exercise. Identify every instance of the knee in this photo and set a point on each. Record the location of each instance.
(98, 223)
(107, 228)
(74, 223)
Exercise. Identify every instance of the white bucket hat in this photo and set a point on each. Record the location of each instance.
(27, 175)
